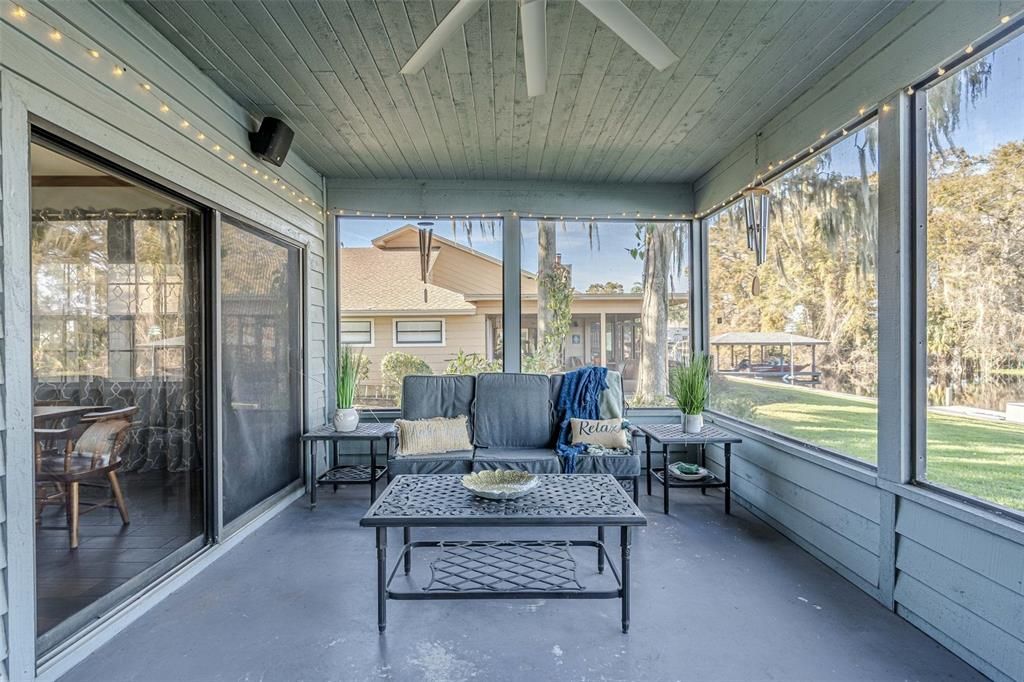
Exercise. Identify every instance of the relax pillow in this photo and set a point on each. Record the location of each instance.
(432, 436)
(607, 433)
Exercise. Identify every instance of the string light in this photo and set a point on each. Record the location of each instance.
(1005, 20)
(117, 70)
(910, 90)
(941, 71)
(969, 49)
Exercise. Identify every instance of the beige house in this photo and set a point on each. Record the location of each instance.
(385, 306)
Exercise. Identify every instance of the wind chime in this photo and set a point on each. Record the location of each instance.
(426, 234)
(756, 205)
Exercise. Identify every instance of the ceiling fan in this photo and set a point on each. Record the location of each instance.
(612, 13)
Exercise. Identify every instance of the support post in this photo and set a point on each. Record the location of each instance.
(511, 304)
(898, 345)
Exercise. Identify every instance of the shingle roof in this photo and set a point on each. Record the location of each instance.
(765, 339)
(381, 280)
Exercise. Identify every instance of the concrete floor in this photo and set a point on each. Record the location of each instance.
(714, 597)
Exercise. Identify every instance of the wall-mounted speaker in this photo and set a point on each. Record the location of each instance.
(272, 141)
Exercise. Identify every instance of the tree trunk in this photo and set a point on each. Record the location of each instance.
(545, 266)
(652, 383)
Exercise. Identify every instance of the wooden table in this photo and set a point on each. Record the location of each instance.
(503, 569)
(45, 414)
(673, 434)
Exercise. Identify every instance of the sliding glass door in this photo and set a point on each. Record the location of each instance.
(118, 386)
(261, 361)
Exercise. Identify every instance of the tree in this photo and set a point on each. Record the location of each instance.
(662, 248)
(606, 288)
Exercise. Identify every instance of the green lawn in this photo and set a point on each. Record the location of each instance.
(979, 457)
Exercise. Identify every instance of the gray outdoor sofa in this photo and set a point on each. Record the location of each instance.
(512, 425)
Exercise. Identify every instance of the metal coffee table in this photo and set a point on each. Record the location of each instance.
(503, 569)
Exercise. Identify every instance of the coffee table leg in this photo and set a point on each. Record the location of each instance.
(647, 441)
(373, 472)
(728, 478)
(600, 550)
(664, 473)
(382, 577)
(407, 538)
(624, 541)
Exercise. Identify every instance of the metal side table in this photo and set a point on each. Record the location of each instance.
(346, 473)
(673, 434)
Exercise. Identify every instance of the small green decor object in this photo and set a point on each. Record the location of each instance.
(690, 386)
(346, 418)
(687, 472)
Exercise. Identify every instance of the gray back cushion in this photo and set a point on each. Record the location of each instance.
(426, 397)
(512, 411)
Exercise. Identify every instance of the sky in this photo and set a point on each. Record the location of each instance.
(608, 259)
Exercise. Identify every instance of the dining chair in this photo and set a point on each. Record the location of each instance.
(92, 459)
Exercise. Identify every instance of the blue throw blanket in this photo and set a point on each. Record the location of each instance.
(580, 398)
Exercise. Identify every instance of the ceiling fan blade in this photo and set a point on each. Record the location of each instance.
(635, 33)
(535, 45)
(452, 22)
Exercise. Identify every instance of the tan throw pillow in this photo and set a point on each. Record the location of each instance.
(607, 433)
(432, 436)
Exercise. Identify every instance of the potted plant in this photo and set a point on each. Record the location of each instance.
(346, 417)
(690, 385)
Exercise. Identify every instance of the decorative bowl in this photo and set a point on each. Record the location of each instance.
(502, 484)
(701, 474)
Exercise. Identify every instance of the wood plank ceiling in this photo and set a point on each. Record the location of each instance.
(330, 69)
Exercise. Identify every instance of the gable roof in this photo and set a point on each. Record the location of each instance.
(379, 281)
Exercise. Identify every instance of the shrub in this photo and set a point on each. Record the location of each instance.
(397, 365)
(471, 363)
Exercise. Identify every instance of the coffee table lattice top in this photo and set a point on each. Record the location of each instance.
(559, 500)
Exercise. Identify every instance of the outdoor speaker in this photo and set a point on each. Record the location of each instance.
(271, 141)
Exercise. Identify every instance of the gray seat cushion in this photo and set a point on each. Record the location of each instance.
(513, 411)
(426, 397)
(459, 462)
(534, 460)
(616, 465)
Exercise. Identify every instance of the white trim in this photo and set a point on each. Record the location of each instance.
(373, 332)
(444, 333)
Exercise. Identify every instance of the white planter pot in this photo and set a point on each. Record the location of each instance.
(693, 423)
(346, 420)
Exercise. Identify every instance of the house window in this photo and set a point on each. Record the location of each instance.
(794, 341)
(974, 279)
(356, 333)
(434, 301)
(419, 332)
(584, 289)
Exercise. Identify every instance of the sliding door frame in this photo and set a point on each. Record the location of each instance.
(224, 529)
